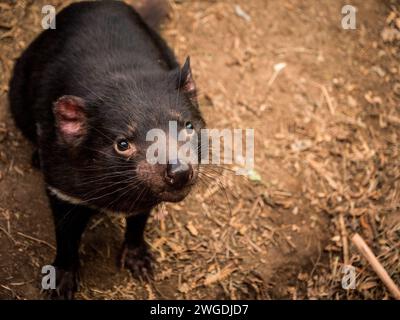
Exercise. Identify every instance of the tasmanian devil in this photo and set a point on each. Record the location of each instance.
(86, 94)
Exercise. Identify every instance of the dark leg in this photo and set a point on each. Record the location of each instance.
(70, 222)
(135, 254)
(36, 159)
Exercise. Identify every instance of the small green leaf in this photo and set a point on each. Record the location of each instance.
(253, 175)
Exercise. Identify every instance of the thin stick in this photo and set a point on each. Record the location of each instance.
(277, 70)
(345, 241)
(37, 240)
(376, 265)
(7, 234)
(328, 99)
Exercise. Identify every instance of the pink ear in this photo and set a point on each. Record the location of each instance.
(186, 82)
(69, 112)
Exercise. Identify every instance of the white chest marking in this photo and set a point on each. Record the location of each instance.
(62, 196)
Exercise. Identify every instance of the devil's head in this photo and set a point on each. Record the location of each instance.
(106, 137)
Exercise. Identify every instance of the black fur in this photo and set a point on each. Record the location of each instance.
(125, 76)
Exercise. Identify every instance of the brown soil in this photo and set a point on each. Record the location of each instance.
(327, 150)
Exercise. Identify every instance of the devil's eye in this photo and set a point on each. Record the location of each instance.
(122, 145)
(189, 125)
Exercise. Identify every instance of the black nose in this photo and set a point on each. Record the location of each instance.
(178, 174)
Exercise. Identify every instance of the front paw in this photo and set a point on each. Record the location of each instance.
(138, 260)
(67, 282)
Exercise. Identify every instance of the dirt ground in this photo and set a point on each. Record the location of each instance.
(327, 131)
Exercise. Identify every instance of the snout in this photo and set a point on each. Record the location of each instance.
(168, 182)
(178, 174)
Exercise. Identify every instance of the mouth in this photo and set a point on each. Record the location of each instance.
(174, 196)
